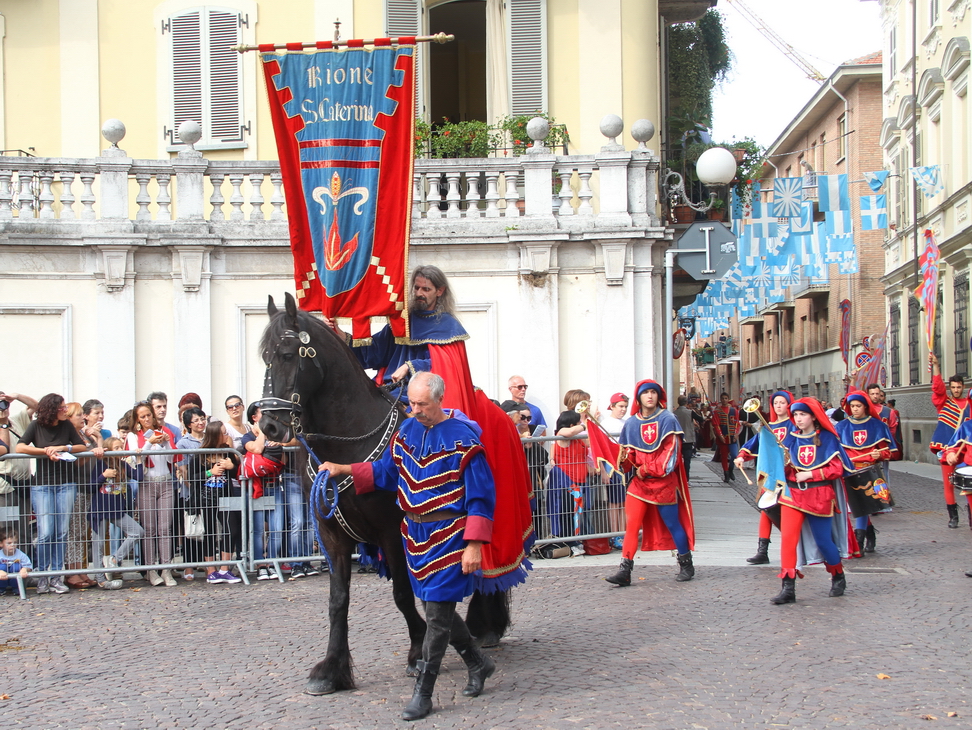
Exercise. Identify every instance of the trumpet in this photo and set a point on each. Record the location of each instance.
(752, 406)
(583, 407)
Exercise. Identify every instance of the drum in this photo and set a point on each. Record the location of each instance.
(767, 503)
(962, 479)
(868, 492)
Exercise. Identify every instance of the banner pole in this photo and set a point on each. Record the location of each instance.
(403, 41)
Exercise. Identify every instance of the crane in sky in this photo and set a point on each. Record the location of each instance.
(773, 37)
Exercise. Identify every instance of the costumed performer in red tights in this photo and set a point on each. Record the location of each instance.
(780, 425)
(657, 501)
(814, 497)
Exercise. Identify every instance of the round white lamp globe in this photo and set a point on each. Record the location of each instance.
(716, 166)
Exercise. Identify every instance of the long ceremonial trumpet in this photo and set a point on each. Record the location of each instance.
(584, 406)
(752, 406)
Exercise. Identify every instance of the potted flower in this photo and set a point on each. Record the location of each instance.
(718, 210)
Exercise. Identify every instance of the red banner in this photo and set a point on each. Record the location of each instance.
(927, 291)
(605, 450)
(845, 334)
(344, 126)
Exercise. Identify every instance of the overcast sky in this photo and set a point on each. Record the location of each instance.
(766, 89)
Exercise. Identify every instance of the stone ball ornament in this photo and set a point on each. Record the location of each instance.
(642, 131)
(190, 132)
(538, 128)
(113, 130)
(716, 166)
(611, 126)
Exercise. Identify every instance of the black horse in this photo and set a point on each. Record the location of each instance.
(346, 418)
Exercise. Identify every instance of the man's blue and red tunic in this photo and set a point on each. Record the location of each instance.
(438, 468)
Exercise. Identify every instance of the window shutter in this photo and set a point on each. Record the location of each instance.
(225, 70)
(187, 72)
(527, 23)
(404, 18)
(207, 73)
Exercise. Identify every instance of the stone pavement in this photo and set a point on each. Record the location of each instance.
(712, 653)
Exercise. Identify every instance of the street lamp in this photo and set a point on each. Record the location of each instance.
(715, 167)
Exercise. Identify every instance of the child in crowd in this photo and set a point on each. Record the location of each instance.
(12, 561)
(112, 504)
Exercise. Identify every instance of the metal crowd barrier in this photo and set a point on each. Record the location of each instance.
(70, 517)
(141, 522)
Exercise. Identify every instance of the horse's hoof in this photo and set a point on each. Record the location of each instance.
(412, 671)
(318, 687)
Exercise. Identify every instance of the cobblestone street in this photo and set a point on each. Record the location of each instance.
(711, 653)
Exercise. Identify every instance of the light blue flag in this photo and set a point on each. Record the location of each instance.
(839, 223)
(735, 205)
(787, 197)
(840, 248)
(849, 264)
(874, 212)
(770, 466)
(929, 179)
(776, 295)
(876, 180)
(789, 273)
(762, 275)
(763, 224)
(803, 225)
(832, 192)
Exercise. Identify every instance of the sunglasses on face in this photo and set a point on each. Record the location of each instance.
(520, 387)
(233, 406)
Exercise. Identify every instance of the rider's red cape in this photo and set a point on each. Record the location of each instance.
(505, 558)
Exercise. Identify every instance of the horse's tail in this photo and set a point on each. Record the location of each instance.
(489, 617)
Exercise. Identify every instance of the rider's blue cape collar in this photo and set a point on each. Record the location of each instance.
(432, 328)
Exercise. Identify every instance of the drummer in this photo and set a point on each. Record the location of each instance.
(780, 424)
(958, 454)
(868, 442)
(814, 494)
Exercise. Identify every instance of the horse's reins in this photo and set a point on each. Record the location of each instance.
(325, 506)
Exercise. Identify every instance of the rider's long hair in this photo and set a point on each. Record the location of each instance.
(446, 303)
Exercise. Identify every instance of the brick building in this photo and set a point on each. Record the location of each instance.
(795, 343)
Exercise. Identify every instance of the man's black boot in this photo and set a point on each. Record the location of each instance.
(421, 702)
(623, 576)
(859, 535)
(687, 571)
(761, 557)
(870, 539)
(481, 668)
(838, 584)
(952, 515)
(788, 594)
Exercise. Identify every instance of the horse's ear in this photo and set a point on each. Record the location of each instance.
(291, 306)
(271, 307)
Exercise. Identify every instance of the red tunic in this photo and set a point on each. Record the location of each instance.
(817, 500)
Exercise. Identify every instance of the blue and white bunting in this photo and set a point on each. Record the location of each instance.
(876, 179)
(787, 196)
(929, 179)
(763, 275)
(839, 223)
(840, 248)
(874, 212)
(763, 224)
(787, 274)
(832, 192)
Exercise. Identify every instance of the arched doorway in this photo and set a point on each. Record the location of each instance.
(457, 70)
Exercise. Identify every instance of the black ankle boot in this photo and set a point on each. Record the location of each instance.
(725, 476)
(421, 702)
(481, 668)
(732, 474)
(952, 515)
(760, 558)
(687, 571)
(859, 535)
(838, 583)
(788, 594)
(870, 539)
(623, 576)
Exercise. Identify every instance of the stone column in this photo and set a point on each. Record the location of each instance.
(114, 340)
(114, 166)
(617, 328)
(192, 315)
(189, 168)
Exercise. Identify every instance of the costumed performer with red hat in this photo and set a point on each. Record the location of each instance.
(814, 497)
(780, 425)
(869, 443)
(657, 500)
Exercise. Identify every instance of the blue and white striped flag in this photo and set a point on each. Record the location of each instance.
(832, 192)
(763, 224)
(876, 180)
(874, 212)
(929, 179)
(787, 196)
(839, 223)
(787, 274)
(814, 250)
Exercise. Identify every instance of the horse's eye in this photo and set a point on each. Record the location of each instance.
(287, 355)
